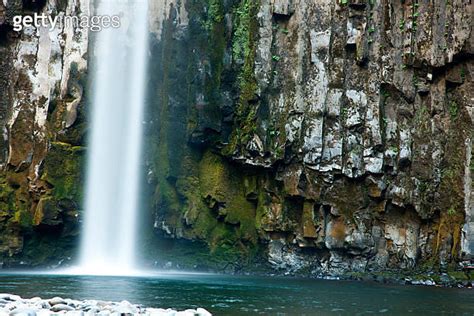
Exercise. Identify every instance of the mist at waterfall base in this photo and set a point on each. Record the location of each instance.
(109, 230)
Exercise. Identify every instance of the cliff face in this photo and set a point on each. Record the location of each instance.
(322, 136)
(41, 90)
(326, 135)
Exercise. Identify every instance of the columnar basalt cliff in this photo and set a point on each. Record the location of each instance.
(326, 136)
(315, 136)
(41, 90)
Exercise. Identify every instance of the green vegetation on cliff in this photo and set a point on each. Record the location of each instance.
(63, 169)
(243, 51)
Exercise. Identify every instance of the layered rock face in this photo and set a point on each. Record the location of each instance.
(322, 136)
(332, 136)
(41, 91)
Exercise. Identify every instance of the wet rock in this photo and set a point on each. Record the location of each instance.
(335, 234)
(283, 257)
(48, 213)
(375, 187)
(423, 282)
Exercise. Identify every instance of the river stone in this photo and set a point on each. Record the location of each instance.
(35, 299)
(125, 307)
(61, 307)
(101, 304)
(75, 313)
(10, 297)
(202, 312)
(38, 307)
(158, 312)
(188, 312)
(72, 303)
(92, 310)
(10, 306)
(42, 304)
(23, 312)
(125, 310)
(57, 300)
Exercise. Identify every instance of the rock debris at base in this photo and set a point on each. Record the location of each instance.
(15, 305)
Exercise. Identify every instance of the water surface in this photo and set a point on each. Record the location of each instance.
(240, 295)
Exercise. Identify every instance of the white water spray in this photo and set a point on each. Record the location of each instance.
(113, 174)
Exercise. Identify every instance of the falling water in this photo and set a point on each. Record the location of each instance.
(112, 183)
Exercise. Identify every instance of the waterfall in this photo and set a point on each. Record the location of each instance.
(113, 175)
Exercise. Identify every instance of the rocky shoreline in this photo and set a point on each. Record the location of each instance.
(11, 304)
(445, 279)
(449, 279)
(451, 276)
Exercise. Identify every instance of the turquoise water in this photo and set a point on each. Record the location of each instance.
(240, 295)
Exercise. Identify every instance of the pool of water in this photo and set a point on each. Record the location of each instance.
(241, 295)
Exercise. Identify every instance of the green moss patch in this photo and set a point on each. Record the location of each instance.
(63, 170)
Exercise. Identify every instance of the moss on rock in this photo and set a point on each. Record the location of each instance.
(224, 188)
(63, 170)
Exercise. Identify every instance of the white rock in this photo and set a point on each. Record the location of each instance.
(23, 312)
(75, 313)
(188, 312)
(42, 305)
(92, 310)
(57, 300)
(61, 307)
(158, 312)
(35, 299)
(14, 305)
(125, 310)
(202, 312)
(43, 312)
(10, 297)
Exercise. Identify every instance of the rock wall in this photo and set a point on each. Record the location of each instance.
(323, 136)
(311, 136)
(41, 92)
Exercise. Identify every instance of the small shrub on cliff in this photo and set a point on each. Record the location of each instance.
(451, 211)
